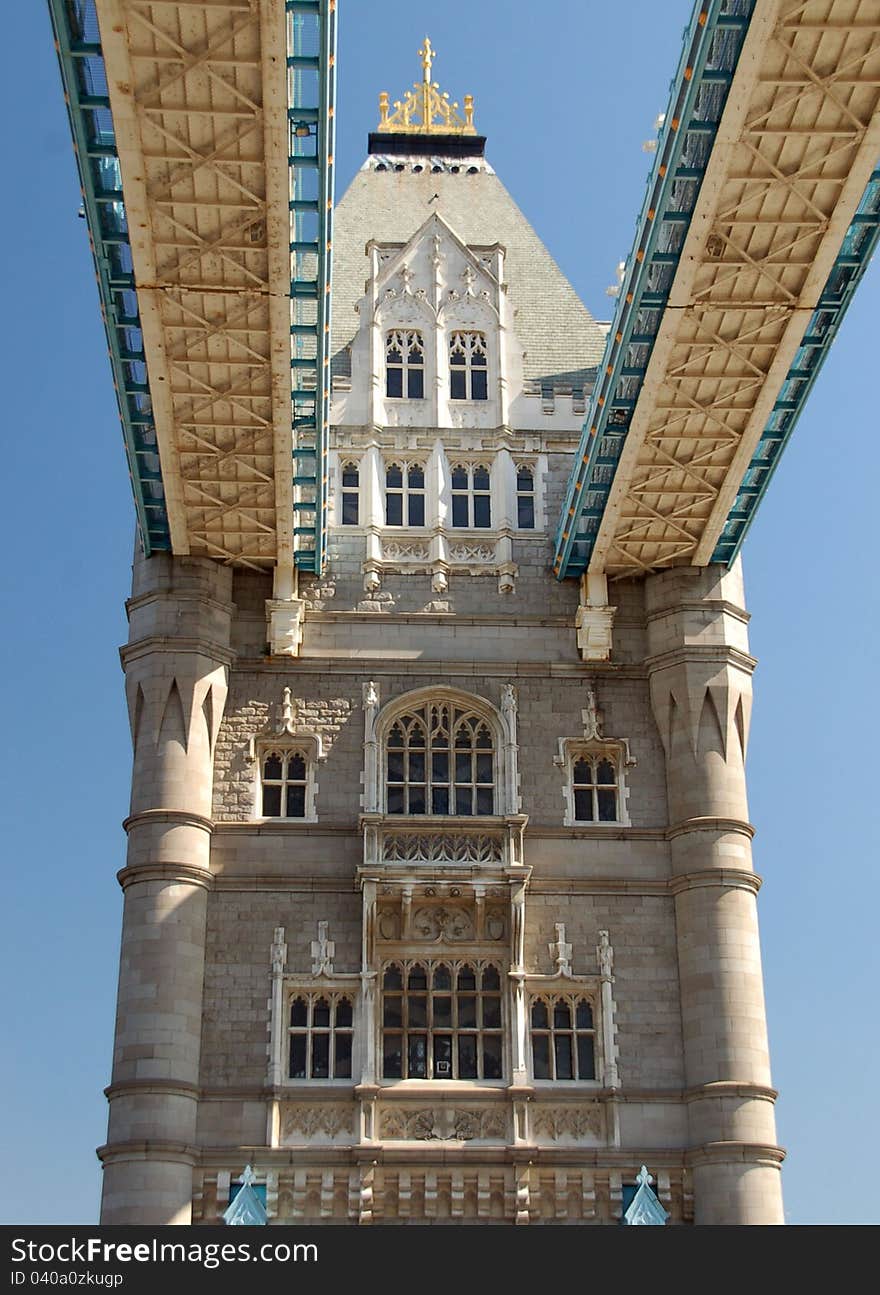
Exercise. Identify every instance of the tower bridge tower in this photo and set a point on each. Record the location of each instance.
(439, 900)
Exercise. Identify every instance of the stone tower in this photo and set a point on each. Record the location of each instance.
(439, 903)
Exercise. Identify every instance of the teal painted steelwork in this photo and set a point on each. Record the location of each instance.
(711, 49)
(858, 246)
(77, 42)
(312, 123)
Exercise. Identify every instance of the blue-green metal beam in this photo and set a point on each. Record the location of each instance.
(77, 42)
(712, 44)
(312, 127)
(858, 246)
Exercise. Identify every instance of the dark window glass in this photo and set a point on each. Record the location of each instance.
(485, 800)
(394, 382)
(296, 802)
(442, 1011)
(583, 805)
(541, 1056)
(586, 1063)
(321, 1056)
(342, 1058)
(492, 1057)
(391, 1056)
(296, 768)
(392, 1012)
(440, 800)
(417, 1011)
(442, 1056)
(491, 980)
(349, 509)
(272, 767)
(525, 512)
(467, 1056)
(417, 510)
(321, 1013)
(607, 805)
(561, 1016)
(297, 1056)
(271, 802)
(482, 511)
(467, 1012)
(442, 978)
(417, 1056)
(343, 1013)
(392, 978)
(395, 800)
(479, 382)
(459, 510)
(562, 1044)
(394, 509)
(299, 1012)
(394, 477)
(416, 384)
(416, 479)
(459, 479)
(481, 479)
(583, 1016)
(492, 1013)
(457, 384)
(540, 1020)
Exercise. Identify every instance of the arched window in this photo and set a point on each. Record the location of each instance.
(405, 365)
(563, 1039)
(440, 759)
(441, 1022)
(525, 497)
(350, 494)
(471, 496)
(284, 784)
(468, 366)
(594, 788)
(320, 1036)
(404, 494)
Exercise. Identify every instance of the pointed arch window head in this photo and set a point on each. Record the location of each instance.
(405, 494)
(471, 496)
(284, 784)
(468, 366)
(440, 759)
(405, 365)
(350, 494)
(595, 788)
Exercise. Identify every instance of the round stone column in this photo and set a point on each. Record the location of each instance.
(176, 664)
(700, 677)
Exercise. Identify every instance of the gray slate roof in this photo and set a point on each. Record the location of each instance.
(562, 341)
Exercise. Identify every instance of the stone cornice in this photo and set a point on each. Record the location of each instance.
(709, 653)
(181, 1153)
(714, 605)
(188, 646)
(735, 1152)
(709, 824)
(729, 878)
(178, 596)
(176, 817)
(161, 1087)
(720, 1088)
(184, 873)
(377, 669)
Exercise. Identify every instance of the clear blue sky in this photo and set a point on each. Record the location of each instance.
(566, 103)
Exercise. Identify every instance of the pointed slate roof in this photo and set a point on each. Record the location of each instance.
(562, 341)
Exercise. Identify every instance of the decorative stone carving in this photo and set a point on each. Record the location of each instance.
(472, 552)
(405, 551)
(439, 923)
(455, 1124)
(323, 952)
(285, 618)
(388, 924)
(571, 1123)
(496, 923)
(560, 952)
(308, 1123)
(440, 847)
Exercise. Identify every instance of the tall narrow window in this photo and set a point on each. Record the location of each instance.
(471, 496)
(320, 1033)
(468, 367)
(525, 497)
(594, 787)
(350, 494)
(441, 1022)
(405, 365)
(284, 784)
(440, 760)
(563, 1039)
(404, 494)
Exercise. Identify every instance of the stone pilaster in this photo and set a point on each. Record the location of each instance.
(700, 676)
(176, 665)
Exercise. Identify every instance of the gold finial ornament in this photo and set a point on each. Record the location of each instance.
(424, 110)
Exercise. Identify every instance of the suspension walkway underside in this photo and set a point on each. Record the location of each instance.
(761, 213)
(204, 140)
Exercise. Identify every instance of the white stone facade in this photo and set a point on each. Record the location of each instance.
(585, 931)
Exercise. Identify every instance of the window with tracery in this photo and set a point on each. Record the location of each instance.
(405, 364)
(440, 759)
(595, 788)
(404, 494)
(350, 494)
(525, 497)
(320, 1036)
(468, 367)
(284, 784)
(563, 1038)
(471, 496)
(441, 1021)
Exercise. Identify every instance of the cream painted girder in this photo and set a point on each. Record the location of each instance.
(198, 93)
(795, 148)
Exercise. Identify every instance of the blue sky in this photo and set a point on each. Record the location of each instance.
(565, 108)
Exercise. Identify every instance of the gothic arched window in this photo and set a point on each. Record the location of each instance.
(350, 494)
(525, 497)
(320, 1035)
(594, 788)
(405, 364)
(441, 1021)
(471, 496)
(404, 494)
(440, 759)
(285, 784)
(563, 1038)
(468, 366)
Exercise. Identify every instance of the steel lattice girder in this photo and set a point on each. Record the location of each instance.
(712, 320)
